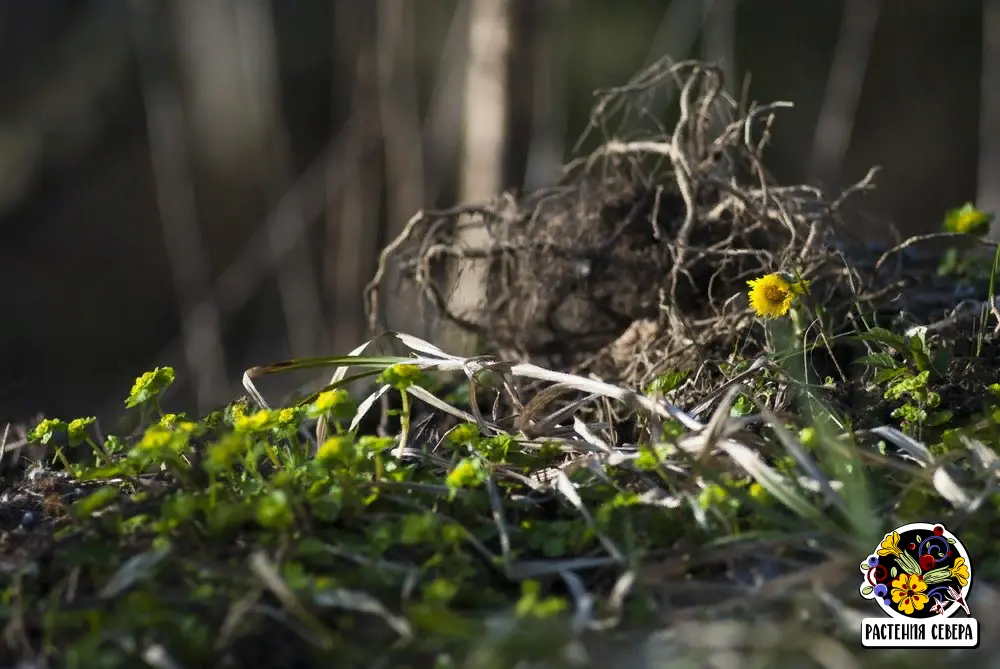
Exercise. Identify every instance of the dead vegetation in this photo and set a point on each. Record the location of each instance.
(636, 262)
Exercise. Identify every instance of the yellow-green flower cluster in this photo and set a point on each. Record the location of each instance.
(172, 421)
(336, 448)
(967, 220)
(336, 404)
(149, 386)
(401, 376)
(46, 430)
(77, 429)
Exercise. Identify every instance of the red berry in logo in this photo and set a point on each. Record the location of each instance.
(938, 530)
(912, 546)
(926, 562)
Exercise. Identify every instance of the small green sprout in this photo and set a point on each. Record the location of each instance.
(336, 403)
(149, 386)
(465, 433)
(221, 455)
(338, 448)
(532, 605)
(402, 375)
(77, 430)
(46, 430)
(468, 473)
(275, 510)
(173, 421)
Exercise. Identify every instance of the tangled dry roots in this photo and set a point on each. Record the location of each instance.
(637, 261)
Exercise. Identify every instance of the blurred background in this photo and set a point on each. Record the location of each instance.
(208, 183)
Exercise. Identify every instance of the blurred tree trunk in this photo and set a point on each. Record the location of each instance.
(835, 124)
(201, 325)
(402, 138)
(354, 211)
(719, 38)
(484, 140)
(228, 57)
(988, 192)
(550, 47)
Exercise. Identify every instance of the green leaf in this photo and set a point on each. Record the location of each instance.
(886, 375)
(879, 361)
(667, 382)
(867, 590)
(939, 418)
(949, 262)
(274, 510)
(886, 337)
(910, 413)
(893, 572)
(96, 500)
(906, 385)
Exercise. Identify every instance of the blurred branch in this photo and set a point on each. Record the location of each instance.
(401, 133)
(200, 324)
(843, 91)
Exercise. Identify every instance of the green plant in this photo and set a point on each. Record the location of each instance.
(904, 368)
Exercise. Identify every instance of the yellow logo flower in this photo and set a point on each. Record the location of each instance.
(960, 570)
(771, 295)
(890, 545)
(908, 593)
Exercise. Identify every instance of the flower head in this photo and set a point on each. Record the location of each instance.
(771, 295)
(259, 421)
(908, 593)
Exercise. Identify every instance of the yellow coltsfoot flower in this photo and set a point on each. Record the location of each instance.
(771, 296)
